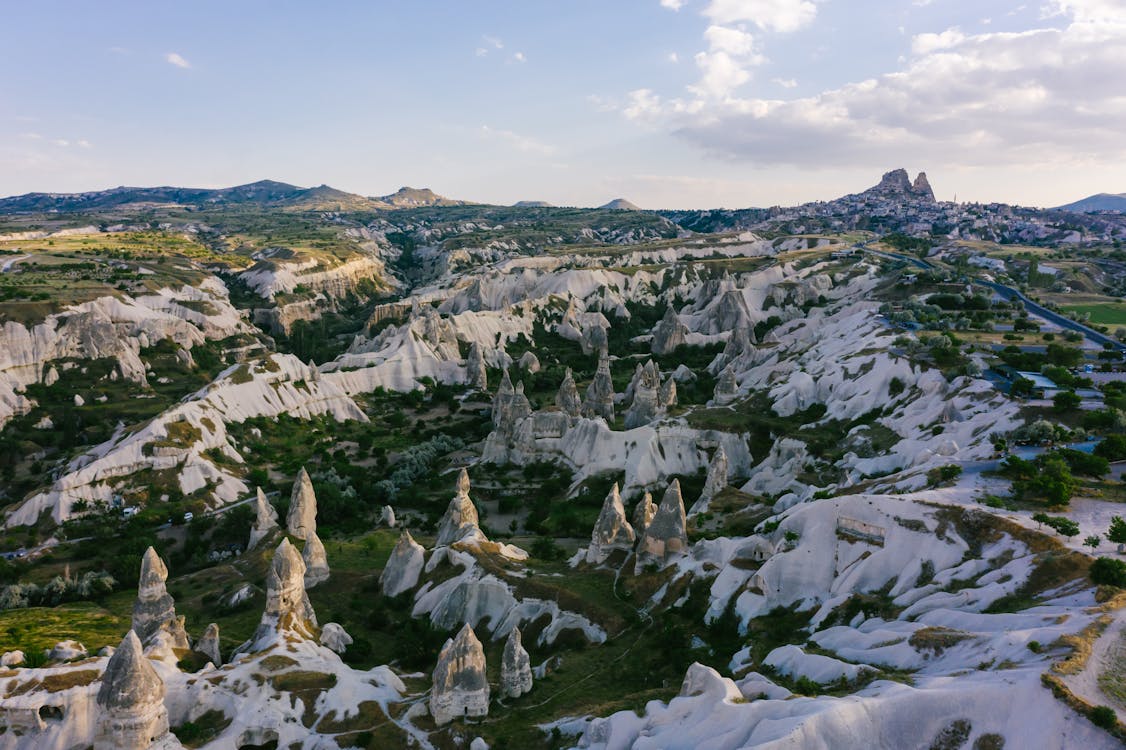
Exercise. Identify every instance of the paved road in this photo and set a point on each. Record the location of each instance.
(1007, 292)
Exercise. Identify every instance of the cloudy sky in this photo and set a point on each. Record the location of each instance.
(670, 103)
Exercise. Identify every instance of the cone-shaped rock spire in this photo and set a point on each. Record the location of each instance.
(130, 701)
(567, 399)
(460, 520)
(403, 567)
(667, 533)
(265, 520)
(611, 531)
(515, 667)
(302, 517)
(460, 686)
(154, 607)
(315, 559)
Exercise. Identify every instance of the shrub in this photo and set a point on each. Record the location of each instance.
(1107, 571)
(1104, 717)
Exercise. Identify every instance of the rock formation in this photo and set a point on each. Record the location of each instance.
(667, 533)
(287, 605)
(208, 645)
(730, 313)
(643, 514)
(387, 517)
(897, 185)
(646, 388)
(567, 399)
(715, 482)
(265, 521)
(315, 559)
(302, 517)
(335, 637)
(460, 686)
(154, 610)
(460, 521)
(131, 712)
(515, 667)
(739, 349)
(669, 333)
(66, 651)
(529, 362)
(667, 396)
(726, 387)
(403, 567)
(611, 531)
(475, 373)
(510, 405)
(599, 401)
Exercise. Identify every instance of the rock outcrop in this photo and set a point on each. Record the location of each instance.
(302, 518)
(208, 645)
(460, 687)
(403, 567)
(476, 374)
(726, 387)
(316, 561)
(265, 520)
(287, 604)
(131, 712)
(715, 482)
(567, 399)
(646, 386)
(667, 395)
(154, 610)
(335, 637)
(599, 401)
(611, 531)
(510, 405)
(667, 533)
(515, 667)
(643, 514)
(460, 520)
(387, 517)
(669, 333)
(529, 362)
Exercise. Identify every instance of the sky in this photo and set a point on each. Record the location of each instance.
(669, 103)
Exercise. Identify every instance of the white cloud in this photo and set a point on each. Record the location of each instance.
(733, 41)
(768, 15)
(672, 4)
(63, 142)
(83, 143)
(673, 57)
(518, 57)
(173, 58)
(522, 143)
(786, 83)
(642, 104)
(925, 43)
(481, 52)
(1039, 97)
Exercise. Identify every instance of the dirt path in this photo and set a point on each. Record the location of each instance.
(1108, 653)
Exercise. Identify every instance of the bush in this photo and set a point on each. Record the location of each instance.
(943, 474)
(1112, 448)
(1107, 571)
(1104, 717)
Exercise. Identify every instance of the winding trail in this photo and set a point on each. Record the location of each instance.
(1107, 653)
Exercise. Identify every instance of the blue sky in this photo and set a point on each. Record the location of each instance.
(670, 103)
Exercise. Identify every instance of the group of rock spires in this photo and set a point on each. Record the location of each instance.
(657, 531)
(302, 524)
(460, 684)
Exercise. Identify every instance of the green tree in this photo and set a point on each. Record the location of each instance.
(1112, 448)
(1066, 401)
(1117, 531)
(1107, 571)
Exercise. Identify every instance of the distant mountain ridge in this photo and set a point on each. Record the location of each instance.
(621, 204)
(1097, 202)
(264, 193)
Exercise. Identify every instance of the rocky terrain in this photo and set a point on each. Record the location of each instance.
(416, 472)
